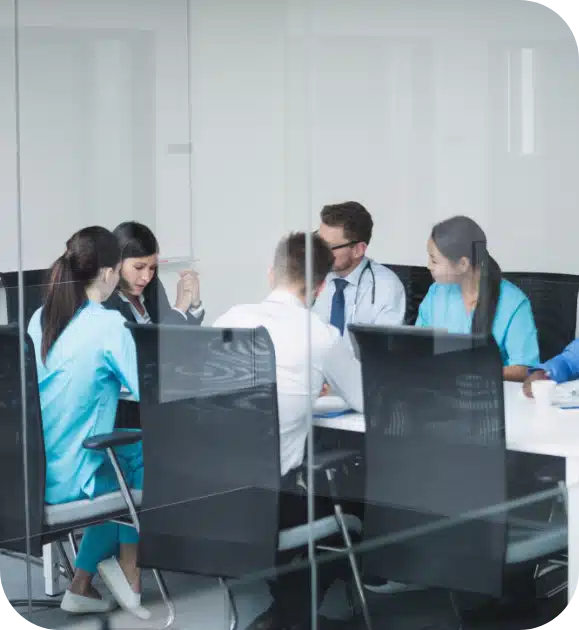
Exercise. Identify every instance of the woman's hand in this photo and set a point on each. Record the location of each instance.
(188, 291)
(539, 375)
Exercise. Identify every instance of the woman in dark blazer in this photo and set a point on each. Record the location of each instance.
(141, 296)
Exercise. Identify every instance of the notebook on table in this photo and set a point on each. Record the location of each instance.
(567, 394)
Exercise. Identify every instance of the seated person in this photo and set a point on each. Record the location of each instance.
(562, 368)
(285, 315)
(470, 295)
(140, 296)
(358, 289)
(84, 354)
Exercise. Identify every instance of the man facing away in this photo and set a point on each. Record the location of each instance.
(285, 315)
(358, 289)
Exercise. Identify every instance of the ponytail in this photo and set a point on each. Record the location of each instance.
(461, 237)
(87, 252)
(488, 295)
(63, 299)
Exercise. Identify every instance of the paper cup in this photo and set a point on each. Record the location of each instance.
(543, 392)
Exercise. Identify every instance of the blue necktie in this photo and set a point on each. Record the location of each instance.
(338, 313)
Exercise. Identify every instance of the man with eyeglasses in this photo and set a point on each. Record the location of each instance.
(358, 289)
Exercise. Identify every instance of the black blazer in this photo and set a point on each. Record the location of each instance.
(160, 311)
(157, 305)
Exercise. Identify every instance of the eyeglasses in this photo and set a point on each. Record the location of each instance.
(335, 247)
(349, 244)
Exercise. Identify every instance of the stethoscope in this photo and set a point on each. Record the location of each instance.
(367, 267)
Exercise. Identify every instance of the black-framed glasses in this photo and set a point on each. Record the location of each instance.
(335, 247)
(349, 244)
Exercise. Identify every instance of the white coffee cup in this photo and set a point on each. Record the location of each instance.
(543, 392)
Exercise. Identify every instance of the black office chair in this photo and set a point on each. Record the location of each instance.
(553, 297)
(416, 281)
(34, 281)
(47, 523)
(210, 425)
(435, 453)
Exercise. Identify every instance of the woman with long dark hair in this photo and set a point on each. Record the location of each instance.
(84, 354)
(141, 297)
(469, 294)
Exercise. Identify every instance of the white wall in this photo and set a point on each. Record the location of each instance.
(411, 107)
(405, 106)
(104, 115)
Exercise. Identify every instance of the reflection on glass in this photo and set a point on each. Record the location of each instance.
(527, 102)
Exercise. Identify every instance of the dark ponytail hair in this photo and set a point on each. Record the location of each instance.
(87, 252)
(461, 237)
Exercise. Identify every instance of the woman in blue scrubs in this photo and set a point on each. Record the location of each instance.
(84, 354)
(470, 295)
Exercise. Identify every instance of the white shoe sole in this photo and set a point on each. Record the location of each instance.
(81, 605)
(116, 581)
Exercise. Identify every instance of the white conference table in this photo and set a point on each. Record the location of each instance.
(530, 428)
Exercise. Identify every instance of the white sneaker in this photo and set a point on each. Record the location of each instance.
(115, 579)
(81, 605)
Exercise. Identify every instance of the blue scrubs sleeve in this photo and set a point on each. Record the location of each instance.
(521, 343)
(424, 319)
(120, 354)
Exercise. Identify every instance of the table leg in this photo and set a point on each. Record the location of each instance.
(51, 564)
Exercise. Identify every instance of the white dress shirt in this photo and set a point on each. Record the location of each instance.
(332, 361)
(389, 305)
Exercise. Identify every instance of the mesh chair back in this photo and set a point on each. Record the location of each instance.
(416, 281)
(34, 289)
(435, 450)
(12, 495)
(553, 298)
(211, 449)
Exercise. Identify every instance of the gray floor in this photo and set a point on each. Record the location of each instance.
(200, 604)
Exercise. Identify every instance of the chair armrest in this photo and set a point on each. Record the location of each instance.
(550, 475)
(333, 458)
(115, 438)
(523, 523)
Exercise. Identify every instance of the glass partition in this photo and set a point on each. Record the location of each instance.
(13, 497)
(324, 442)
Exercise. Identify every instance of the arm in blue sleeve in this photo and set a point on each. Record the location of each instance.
(120, 354)
(521, 341)
(565, 366)
(424, 319)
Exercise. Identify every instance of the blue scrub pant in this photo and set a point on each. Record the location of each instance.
(100, 542)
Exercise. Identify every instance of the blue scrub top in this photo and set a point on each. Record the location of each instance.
(79, 390)
(513, 328)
